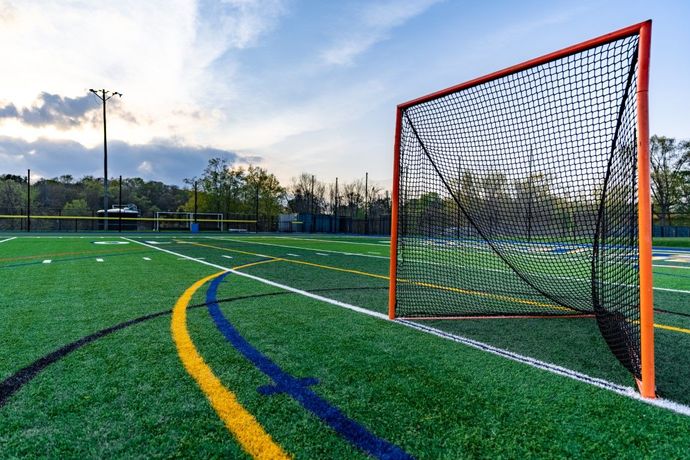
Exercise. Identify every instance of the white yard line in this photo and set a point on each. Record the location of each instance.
(146, 258)
(8, 239)
(227, 257)
(294, 247)
(671, 266)
(548, 367)
(321, 254)
(99, 260)
(47, 261)
(292, 255)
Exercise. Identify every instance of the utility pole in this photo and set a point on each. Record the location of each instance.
(335, 210)
(119, 213)
(28, 200)
(366, 203)
(195, 199)
(256, 211)
(104, 96)
(313, 217)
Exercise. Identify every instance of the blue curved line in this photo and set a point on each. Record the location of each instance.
(298, 388)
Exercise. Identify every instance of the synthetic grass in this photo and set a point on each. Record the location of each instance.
(128, 395)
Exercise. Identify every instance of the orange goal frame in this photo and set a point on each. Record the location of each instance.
(647, 384)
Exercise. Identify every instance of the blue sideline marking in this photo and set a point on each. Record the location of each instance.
(298, 389)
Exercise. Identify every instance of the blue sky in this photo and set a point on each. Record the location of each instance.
(290, 85)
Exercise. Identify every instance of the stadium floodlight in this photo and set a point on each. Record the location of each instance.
(104, 96)
(526, 193)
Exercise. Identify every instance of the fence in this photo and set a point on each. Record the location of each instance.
(88, 220)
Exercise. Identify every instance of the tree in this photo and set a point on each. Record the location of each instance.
(271, 193)
(12, 196)
(301, 199)
(670, 162)
(77, 207)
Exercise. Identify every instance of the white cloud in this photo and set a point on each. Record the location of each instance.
(159, 53)
(373, 24)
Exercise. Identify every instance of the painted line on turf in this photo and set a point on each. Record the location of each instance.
(242, 424)
(47, 261)
(384, 257)
(261, 262)
(672, 328)
(73, 253)
(416, 283)
(8, 239)
(385, 277)
(298, 388)
(296, 247)
(16, 381)
(584, 378)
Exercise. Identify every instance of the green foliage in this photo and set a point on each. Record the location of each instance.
(234, 190)
(670, 174)
(77, 207)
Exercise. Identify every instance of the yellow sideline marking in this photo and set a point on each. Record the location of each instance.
(246, 429)
(256, 263)
(373, 275)
(416, 283)
(672, 328)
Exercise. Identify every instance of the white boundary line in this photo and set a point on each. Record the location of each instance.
(558, 370)
(8, 239)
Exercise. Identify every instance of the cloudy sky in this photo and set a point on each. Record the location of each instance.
(290, 85)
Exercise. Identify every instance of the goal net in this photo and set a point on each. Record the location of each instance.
(182, 221)
(517, 194)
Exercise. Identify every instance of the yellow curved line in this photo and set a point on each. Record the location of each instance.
(246, 429)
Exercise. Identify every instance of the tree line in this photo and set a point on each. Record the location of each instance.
(219, 188)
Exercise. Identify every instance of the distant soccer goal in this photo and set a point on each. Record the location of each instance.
(525, 193)
(182, 221)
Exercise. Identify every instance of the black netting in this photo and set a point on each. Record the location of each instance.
(519, 197)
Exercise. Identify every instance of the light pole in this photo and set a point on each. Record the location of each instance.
(104, 95)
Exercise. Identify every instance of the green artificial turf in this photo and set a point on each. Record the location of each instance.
(127, 394)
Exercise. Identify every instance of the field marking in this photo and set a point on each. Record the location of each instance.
(418, 261)
(292, 255)
(416, 283)
(77, 253)
(241, 423)
(146, 258)
(227, 257)
(296, 247)
(671, 266)
(47, 261)
(261, 262)
(672, 328)
(8, 239)
(548, 367)
(325, 241)
(321, 254)
(99, 260)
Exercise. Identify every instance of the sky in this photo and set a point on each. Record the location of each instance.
(292, 86)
